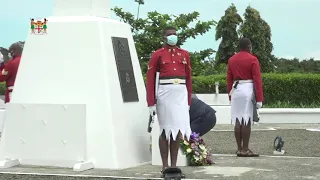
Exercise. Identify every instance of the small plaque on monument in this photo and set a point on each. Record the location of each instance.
(125, 70)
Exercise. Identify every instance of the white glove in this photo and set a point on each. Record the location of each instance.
(4, 72)
(259, 105)
(152, 110)
(189, 108)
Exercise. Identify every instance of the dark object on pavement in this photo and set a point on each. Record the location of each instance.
(278, 143)
(172, 174)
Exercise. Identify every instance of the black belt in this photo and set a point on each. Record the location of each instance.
(170, 83)
(176, 80)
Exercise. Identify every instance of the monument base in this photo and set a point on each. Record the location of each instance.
(83, 166)
(44, 135)
(9, 163)
(77, 167)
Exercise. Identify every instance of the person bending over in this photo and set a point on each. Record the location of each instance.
(202, 116)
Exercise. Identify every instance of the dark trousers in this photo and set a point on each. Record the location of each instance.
(204, 124)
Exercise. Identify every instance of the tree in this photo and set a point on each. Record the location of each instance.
(147, 33)
(297, 66)
(226, 30)
(259, 32)
(5, 53)
(201, 62)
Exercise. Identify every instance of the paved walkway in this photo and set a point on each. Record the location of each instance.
(302, 160)
(226, 168)
(298, 140)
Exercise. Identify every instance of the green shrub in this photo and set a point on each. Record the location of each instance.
(2, 88)
(206, 84)
(295, 89)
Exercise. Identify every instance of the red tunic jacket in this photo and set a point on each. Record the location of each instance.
(172, 63)
(245, 66)
(10, 77)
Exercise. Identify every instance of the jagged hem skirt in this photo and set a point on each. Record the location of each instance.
(173, 110)
(241, 104)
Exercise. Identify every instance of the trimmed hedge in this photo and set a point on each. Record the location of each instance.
(2, 88)
(296, 89)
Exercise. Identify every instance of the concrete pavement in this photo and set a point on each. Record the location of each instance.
(302, 160)
(226, 168)
(298, 141)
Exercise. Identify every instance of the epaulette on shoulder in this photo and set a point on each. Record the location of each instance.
(159, 50)
(183, 51)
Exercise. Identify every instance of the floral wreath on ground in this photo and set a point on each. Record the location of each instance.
(196, 151)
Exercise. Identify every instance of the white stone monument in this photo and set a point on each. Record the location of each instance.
(68, 107)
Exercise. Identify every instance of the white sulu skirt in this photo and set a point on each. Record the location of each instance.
(173, 110)
(241, 103)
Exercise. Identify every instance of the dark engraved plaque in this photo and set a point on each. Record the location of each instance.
(125, 70)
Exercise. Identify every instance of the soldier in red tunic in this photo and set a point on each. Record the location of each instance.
(244, 81)
(9, 71)
(170, 99)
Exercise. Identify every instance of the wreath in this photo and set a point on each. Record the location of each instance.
(195, 151)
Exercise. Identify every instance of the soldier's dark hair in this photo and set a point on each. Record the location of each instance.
(168, 28)
(16, 47)
(244, 43)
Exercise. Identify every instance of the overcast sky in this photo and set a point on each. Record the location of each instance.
(294, 23)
